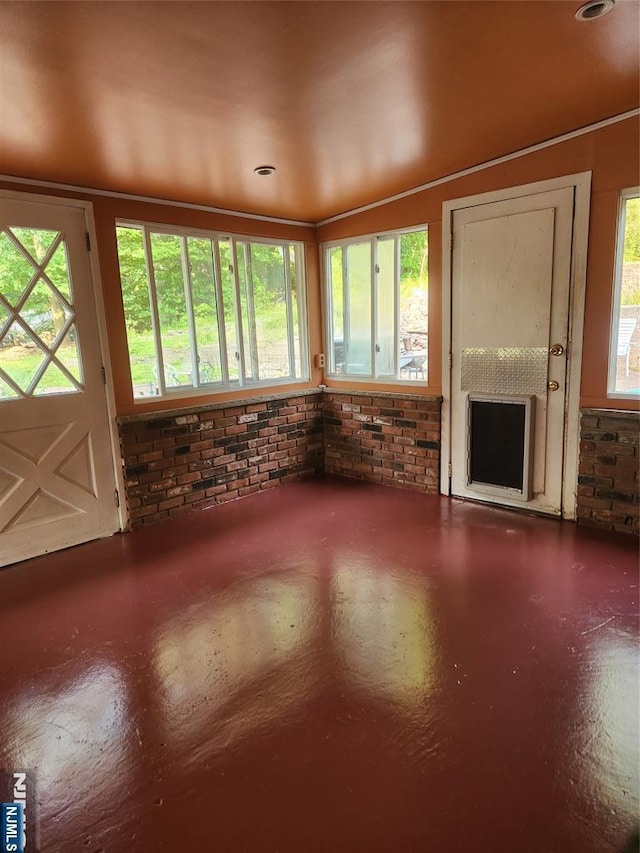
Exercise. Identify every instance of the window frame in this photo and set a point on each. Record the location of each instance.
(621, 218)
(226, 385)
(373, 239)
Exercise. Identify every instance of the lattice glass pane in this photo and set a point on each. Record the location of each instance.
(505, 370)
(45, 313)
(15, 270)
(58, 271)
(6, 391)
(205, 309)
(69, 355)
(20, 358)
(4, 316)
(53, 381)
(37, 241)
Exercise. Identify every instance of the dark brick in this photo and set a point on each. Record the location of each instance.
(134, 470)
(615, 496)
(204, 484)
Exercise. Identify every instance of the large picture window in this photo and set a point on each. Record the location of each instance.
(377, 298)
(624, 355)
(208, 312)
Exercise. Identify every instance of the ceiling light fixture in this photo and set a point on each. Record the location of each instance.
(594, 9)
(264, 170)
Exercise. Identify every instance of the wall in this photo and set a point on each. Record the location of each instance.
(613, 156)
(197, 457)
(393, 439)
(609, 459)
(107, 210)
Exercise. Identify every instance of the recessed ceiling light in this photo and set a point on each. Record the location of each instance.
(264, 170)
(594, 9)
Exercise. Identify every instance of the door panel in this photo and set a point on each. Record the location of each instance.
(57, 483)
(511, 270)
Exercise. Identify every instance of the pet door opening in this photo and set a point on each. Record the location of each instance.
(500, 444)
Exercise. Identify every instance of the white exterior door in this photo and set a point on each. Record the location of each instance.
(511, 274)
(57, 481)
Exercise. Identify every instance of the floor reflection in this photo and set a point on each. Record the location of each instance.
(239, 660)
(73, 735)
(383, 630)
(608, 738)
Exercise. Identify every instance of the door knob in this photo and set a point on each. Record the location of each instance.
(556, 349)
(553, 385)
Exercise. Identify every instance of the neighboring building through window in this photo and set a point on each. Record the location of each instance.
(624, 355)
(377, 298)
(209, 312)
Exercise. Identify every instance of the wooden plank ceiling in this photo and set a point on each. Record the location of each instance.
(350, 101)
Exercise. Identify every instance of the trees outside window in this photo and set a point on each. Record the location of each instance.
(624, 354)
(377, 297)
(208, 312)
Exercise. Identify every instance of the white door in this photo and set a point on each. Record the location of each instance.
(511, 273)
(57, 483)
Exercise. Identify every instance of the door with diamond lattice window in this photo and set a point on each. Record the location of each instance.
(57, 482)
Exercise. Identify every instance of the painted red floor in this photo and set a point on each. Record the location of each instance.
(328, 667)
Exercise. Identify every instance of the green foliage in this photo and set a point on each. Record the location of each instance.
(266, 282)
(43, 310)
(414, 256)
(632, 231)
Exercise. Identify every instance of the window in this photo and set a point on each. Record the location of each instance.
(208, 312)
(377, 298)
(624, 355)
(39, 352)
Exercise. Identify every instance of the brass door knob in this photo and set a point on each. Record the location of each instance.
(556, 349)
(553, 385)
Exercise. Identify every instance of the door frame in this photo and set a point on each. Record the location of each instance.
(581, 184)
(103, 339)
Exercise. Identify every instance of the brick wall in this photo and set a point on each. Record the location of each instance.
(608, 477)
(204, 456)
(385, 438)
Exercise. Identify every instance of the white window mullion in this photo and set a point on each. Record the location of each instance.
(237, 304)
(396, 305)
(188, 298)
(287, 292)
(346, 314)
(375, 273)
(155, 317)
(299, 254)
(220, 315)
(251, 311)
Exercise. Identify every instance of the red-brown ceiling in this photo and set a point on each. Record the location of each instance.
(351, 101)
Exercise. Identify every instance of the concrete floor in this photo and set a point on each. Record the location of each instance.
(329, 666)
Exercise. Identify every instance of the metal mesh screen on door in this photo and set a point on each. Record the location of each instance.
(504, 370)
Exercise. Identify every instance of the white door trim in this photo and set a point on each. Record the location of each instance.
(581, 183)
(96, 284)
